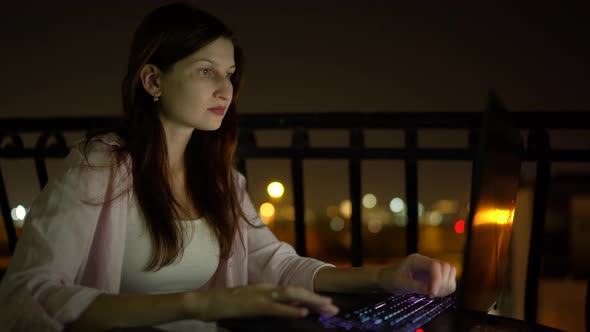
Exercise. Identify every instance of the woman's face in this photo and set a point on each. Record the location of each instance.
(196, 91)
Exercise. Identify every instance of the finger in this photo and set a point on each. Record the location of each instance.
(420, 263)
(424, 269)
(301, 296)
(449, 280)
(435, 278)
(453, 278)
(264, 287)
(416, 286)
(445, 273)
(277, 309)
(325, 310)
(328, 310)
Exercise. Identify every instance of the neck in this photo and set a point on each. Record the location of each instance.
(176, 142)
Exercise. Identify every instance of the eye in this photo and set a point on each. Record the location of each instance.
(205, 72)
(229, 75)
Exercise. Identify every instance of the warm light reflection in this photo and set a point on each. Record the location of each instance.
(495, 216)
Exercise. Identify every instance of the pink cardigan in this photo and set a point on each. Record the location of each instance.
(71, 251)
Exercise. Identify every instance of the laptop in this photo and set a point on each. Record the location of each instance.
(495, 182)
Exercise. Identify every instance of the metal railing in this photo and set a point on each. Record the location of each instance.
(538, 150)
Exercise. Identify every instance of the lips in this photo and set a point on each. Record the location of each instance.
(219, 110)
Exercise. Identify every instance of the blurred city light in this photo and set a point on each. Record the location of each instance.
(460, 226)
(434, 218)
(369, 201)
(447, 206)
(420, 209)
(346, 208)
(400, 220)
(275, 189)
(396, 205)
(267, 212)
(375, 225)
(337, 224)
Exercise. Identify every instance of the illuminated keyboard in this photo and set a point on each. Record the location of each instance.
(398, 312)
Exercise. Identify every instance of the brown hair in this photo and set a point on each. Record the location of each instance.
(165, 36)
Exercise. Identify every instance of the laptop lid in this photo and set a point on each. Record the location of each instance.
(494, 186)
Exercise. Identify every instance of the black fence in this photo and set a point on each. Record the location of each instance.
(51, 143)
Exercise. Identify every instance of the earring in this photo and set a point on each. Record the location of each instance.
(156, 98)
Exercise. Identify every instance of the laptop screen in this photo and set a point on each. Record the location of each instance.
(495, 181)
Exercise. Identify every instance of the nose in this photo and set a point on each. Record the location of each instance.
(224, 89)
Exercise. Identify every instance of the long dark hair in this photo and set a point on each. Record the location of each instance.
(165, 36)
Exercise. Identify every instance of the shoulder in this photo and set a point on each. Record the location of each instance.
(101, 151)
(97, 165)
(239, 179)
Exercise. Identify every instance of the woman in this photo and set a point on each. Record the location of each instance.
(151, 224)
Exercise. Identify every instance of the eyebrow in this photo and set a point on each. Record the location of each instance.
(211, 61)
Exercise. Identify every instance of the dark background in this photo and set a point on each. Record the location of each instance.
(68, 57)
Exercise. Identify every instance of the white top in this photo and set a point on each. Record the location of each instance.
(196, 266)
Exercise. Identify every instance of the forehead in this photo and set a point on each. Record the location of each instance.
(219, 51)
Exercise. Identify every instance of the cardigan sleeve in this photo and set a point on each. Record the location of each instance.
(40, 290)
(270, 260)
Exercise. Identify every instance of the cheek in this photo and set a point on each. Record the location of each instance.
(188, 95)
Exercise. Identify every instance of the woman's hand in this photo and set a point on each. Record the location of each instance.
(256, 300)
(419, 274)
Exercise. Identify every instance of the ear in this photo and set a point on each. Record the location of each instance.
(150, 79)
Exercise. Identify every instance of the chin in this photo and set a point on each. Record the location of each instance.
(208, 126)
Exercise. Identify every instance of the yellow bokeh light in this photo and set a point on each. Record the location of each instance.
(267, 210)
(275, 189)
(346, 208)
